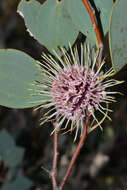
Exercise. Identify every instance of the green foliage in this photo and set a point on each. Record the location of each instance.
(21, 183)
(12, 156)
(118, 35)
(30, 10)
(82, 19)
(10, 153)
(55, 23)
(17, 71)
(51, 23)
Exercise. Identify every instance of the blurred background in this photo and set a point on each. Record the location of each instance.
(25, 146)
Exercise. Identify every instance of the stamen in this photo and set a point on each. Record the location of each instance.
(77, 129)
(72, 54)
(61, 61)
(49, 117)
(105, 114)
(67, 60)
(52, 64)
(82, 55)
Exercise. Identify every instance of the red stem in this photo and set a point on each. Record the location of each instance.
(80, 144)
(96, 29)
(94, 22)
(55, 160)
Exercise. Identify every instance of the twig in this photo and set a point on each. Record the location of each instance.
(94, 22)
(80, 144)
(96, 29)
(55, 159)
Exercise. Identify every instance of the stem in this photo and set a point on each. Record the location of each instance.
(94, 22)
(55, 160)
(96, 29)
(80, 144)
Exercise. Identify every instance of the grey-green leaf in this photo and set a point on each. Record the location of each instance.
(52, 21)
(21, 183)
(30, 10)
(10, 153)
(17, 72)
(82, 19)
(118, 35)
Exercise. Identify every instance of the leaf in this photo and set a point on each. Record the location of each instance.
(118, 35)
(82, 19)
(21, 183)
(52, 21)
(10, 153)
(17, 71)
(30, 11)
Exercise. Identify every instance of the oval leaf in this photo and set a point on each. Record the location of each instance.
(82, 19)
(52, 21)
(10, 153)
(17, 71)
(118, 35)
(30, 10)
(22, 183)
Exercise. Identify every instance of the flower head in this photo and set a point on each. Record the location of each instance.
(74, 84)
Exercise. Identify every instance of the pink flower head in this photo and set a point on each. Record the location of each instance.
(74, 84)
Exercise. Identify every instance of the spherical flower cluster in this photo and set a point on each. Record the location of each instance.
(74, 84)
(75, 90)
